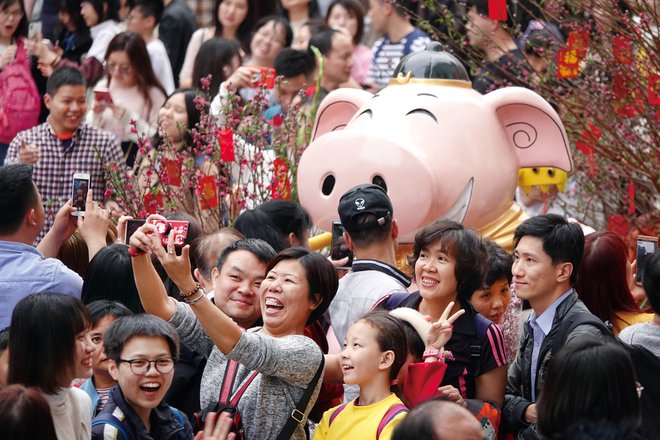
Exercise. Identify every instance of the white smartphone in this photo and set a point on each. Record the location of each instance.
(79, 190)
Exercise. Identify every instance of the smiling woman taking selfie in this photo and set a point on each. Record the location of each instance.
(284, 365)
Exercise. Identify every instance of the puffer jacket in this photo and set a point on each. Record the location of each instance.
(518, 389)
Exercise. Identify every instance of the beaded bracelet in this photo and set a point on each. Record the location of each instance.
(186, 295)
(196, 300)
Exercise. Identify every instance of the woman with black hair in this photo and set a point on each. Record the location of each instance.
(298, 12)
(219, 58)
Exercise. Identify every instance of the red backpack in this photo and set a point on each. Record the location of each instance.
(20, 103)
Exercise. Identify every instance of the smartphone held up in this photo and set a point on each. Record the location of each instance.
(79, 189)
(646, 246)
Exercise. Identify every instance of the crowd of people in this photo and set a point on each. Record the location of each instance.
(116, 330)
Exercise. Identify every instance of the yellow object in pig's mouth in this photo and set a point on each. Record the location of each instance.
(541, 177)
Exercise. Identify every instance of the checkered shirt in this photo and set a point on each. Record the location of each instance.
(203, 10)
(90, 149)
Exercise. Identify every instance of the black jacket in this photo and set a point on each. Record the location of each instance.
(177, 25)
(518, 389)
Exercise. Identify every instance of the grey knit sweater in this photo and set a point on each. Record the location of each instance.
(286, 365)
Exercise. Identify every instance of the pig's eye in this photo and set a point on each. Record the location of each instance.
(422, 112)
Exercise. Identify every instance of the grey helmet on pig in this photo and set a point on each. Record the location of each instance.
(430, 63)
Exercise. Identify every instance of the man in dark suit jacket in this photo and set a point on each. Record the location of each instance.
(177, 25)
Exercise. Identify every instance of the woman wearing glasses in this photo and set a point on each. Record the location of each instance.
(50, 347)
(129, 92)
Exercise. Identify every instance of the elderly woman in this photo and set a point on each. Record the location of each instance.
(297, 289)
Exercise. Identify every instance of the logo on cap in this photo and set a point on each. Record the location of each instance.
(359, 203)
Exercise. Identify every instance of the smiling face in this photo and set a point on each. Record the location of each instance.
(143, 392)
(435, 273)
(267, 43)
(83, 360)
(173, 117)
(285, 303)
(361, 356)
(236, 287)
(492, 302)
(67, 108)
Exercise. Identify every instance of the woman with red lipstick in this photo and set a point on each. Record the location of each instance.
(450, 263)
(50, 347)
(297, 290)
(233, 20)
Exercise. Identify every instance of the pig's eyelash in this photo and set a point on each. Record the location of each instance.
(424, 112)
(367, 112)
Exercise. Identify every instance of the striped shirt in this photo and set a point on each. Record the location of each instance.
(387, 54)
(89, 151)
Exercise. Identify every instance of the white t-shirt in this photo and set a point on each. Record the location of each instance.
(160, 62)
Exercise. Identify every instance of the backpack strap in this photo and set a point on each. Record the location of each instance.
(336, 412)
(394, 411)
(394, 300)
(109, 419)
(569, 324)
(481, 327)
(178, 416)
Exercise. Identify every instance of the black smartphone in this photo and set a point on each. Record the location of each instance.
(132, 225)
(646, 246)
(338, 247)
(79, 189)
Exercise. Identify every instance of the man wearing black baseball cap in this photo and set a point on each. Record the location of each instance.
(366, 213)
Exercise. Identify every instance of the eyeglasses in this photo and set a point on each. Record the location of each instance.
(140, 367)
(121, 69)
(14, 14)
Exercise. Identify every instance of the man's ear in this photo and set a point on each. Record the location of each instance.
(386, 360)
(564, 271)
(47, 100)
(395, 229)
(215, 274)
(349, 242)
(292, 239)
(388, 9)
(151, 21)
(113, 370)
(31, 217)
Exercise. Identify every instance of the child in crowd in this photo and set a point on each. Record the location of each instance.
(98, 387)
(374, 351)
(141, 351)
(496, 301)
(4, 356)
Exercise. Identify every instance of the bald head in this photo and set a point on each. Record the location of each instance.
(439, 420)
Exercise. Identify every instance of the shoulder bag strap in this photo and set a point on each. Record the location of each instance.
(336, 412)
(297, 416)
(239, 393)
(394, 411)
(228, 381)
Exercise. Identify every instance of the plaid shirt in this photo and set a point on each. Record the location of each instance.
(203, 10)
(88, 152)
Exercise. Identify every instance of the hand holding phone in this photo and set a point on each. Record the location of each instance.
(102, 96)
(646, 246)
(265, 76)
(164, 227)
(338, 247)
(79, 190)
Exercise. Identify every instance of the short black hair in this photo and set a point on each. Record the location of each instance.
(321, 276)
(103, 308)
(291, 62)
(323, 41)
(18, 194)
(651, 280)
(208, 247)
(64, 76)
(149, 8)
(111, 11)
(464, 246)
(259, 248)
(128, 327)
(562, 240)
(110, 276)
(499, 263)
(366, 237)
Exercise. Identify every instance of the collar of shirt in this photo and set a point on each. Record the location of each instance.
(361, 265)
(544, 321)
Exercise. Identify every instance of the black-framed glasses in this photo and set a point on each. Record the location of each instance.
(141, 367)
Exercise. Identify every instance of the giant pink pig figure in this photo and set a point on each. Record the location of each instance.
(441, 149)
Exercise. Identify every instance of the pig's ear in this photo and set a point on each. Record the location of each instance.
(533, 127)
(337, 109)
